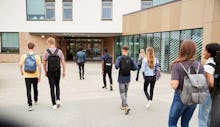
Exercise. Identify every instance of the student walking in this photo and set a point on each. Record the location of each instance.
(209, 67)
(125, 64)
(52, 69)
(31, 73)
(139, 62)
(148, 68)
(186, 58)
(107, 68)
(80, 60)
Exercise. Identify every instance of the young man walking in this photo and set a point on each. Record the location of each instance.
(80, 60)
(31, 73)
(107, 68)
(51, 61)
(125, 64)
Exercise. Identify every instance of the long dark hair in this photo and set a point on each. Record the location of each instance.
(187, 51)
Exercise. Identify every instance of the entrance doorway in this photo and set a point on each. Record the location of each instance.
(92, 47)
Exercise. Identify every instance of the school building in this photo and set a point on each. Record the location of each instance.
(99, 24)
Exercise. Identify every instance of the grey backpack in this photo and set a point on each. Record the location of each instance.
(195, 87)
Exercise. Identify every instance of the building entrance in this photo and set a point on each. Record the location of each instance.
(92, 47)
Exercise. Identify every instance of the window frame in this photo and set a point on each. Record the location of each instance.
(102, 7)
(18, 51)
(68, 8)
(49, 8)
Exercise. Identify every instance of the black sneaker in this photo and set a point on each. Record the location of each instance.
(111, 88)
(127, 110)
(104, 87)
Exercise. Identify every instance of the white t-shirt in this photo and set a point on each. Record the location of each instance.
(208, 68)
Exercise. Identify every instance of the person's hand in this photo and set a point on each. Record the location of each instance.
(63, 74)
(22, 73)
(39, 78)
(46, 74)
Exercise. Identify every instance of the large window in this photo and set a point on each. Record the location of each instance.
(166, 44)
(67, 9)
(106, 9)
(40, 10)
(9, 43)
(146, 4)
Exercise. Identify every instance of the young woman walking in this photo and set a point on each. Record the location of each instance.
(139, 62)
(186, 58)
(148, 68)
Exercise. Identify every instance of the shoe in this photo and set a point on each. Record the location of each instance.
(83, 78)
(30, 108)
(36, 102)
(54, 107)
(148, 104)
(111, 88)
(104, 87)
(122, 107)
(58, 103)
(127, 110)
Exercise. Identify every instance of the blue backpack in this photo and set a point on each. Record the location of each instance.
(80, 56)
(30, 65)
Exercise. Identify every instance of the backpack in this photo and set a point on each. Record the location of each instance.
(125, 66)
(108, 62)
(53, 61)
(30, 65)
(80, 56)
(195, 87)
(157, 71)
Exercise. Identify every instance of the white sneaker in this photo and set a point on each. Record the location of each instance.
(54, 107)
(148, 104)
(58, 103)
(30, 108)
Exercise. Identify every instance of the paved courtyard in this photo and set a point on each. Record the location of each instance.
(84, 102)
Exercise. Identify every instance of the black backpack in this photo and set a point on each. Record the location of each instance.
(53, 61)
(125, 66)
(108, 62)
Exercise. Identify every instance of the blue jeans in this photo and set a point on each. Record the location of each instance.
(123, 89)
(178, 109)
(204, 112)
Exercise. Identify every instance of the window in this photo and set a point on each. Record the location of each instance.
(10, 43)
(146, 4)
(106, 10)
(50, 9)
(67, 9)
(40, 10)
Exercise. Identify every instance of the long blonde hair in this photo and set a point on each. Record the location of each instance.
(150, 57)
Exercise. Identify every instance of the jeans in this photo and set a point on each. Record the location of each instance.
(54, 81)
(28, 82)
(123, 89)
(109, 72)
(149, 80)
(81, 70)
(204, 112)
(178, 109)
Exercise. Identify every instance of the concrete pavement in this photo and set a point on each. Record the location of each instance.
(83, 102)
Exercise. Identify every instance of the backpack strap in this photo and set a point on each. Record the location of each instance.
(211, 64)
(197, 71)
(56, 51)
(185, 69)
(48, 50)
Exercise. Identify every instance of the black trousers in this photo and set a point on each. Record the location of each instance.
(109, 72)
(54, 81)
(28, 82)
(149, 80)
(137, 77)
(81, 70)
